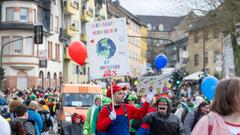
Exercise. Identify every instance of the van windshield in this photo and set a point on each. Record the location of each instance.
(78, 100)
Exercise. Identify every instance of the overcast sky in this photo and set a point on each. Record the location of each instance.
(158, 7)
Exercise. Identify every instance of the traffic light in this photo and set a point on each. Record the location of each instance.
(176, 78)
(2, 73)
(38, 34)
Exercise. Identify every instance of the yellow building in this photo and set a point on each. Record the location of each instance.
(201, 34)
(144, 48)
(77, 14)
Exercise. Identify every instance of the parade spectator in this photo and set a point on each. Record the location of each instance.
(116, 122)
(90, 113)
(34, 115)
(225, 116)
(193, 117)
(4, 128)
(163, 122)
(105, 101)
(46, 117)
(12, 106)
(21, 125)
(76, 128)
(131, 100)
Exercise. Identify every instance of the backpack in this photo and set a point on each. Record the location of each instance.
(46, 118)
(25, 128)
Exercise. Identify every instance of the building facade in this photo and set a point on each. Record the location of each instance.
(21, 58)
(115, 10)
(144, 49)
(167, 30)
(204, 48)
(87, 11)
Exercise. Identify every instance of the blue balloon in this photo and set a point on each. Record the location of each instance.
(160, 61)
(208, 87)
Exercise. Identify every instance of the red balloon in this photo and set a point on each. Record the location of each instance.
(78, 52)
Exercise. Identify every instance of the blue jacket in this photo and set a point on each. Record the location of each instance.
(33, 115)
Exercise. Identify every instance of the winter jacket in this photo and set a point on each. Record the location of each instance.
(33, 115)
(74, 129)
(94, 120)
(164, 125)
(28, 126)
(87, 124)
(189, 121)
(212, 119)
(104, 121)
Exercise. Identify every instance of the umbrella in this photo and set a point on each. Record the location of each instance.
(194, 76)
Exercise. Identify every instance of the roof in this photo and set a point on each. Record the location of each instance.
(168, 22)
(125, 11)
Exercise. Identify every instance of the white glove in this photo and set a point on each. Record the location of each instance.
(113, 115)
(150, 96)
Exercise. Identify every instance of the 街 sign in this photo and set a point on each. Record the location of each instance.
(107, 46)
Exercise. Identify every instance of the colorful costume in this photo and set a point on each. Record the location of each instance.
(120, 126)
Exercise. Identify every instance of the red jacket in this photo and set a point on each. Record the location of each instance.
(132, 113)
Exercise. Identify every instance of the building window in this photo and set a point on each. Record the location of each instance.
(75, 69)
(196, 37)
(51, 25)
(23, 15)
(57, 24)
(34, 16)
(48, 80)
(54, 2)
(6, 39)
(54, 80)
(57, 52)
(75, 25)
(41, 79)
(75, 4)
(9, 14)
(206, 58)
(17, 45)
(161, 27)
(196, 59)
(49, 50)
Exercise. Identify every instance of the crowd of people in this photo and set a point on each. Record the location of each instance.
(29, 112)
(123, 112)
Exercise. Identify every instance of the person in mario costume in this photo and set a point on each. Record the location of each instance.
(116, 121)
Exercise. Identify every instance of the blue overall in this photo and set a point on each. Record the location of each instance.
(119, 126)
(99, 133)
(143, 131)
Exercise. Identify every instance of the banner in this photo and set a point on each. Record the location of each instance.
(159, 83)
(107, 46)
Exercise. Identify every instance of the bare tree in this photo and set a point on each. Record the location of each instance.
(223, 16)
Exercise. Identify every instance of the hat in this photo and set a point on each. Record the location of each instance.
(163, 98)
(132, 97)
(106, 101)
(76, 116)
(97, 97)
(115, 88)
(33, 97)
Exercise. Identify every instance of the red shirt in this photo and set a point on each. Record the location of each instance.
(132, 113)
